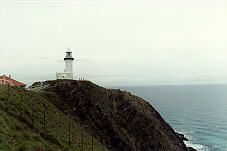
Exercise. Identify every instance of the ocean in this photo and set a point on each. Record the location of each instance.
(197, 111)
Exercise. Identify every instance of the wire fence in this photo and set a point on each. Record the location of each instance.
(40, 116)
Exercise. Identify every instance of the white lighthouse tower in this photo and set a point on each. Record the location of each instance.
(68, 72)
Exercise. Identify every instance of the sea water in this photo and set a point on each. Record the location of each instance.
(197, 111)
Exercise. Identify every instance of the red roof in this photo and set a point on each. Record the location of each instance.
(15, 82)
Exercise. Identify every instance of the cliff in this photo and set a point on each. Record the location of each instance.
(125, 121)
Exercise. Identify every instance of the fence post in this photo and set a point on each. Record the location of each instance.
(33, 110)
(103, 145)
(8, 98)
(57, 125)
(82, 139)
(20, 105)
(92, 141)
(69, 134)
(44, 120)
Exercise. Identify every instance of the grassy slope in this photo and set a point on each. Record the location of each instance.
(16, 134)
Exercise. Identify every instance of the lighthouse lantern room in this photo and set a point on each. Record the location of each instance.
(68, 72)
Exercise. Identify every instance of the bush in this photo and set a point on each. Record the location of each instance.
(22, 147)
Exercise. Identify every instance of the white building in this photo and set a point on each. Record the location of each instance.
(68, 72)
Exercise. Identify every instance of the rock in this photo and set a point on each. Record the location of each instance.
(191, 149)
(182, 137)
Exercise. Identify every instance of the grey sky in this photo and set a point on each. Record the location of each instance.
(116, 43)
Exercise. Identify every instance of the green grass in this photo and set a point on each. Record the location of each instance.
(20, 134)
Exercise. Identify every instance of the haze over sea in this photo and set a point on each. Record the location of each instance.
(197, 111)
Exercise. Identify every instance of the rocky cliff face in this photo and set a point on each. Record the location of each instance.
(125, 121)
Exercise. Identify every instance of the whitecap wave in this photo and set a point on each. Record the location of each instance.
(198, 147)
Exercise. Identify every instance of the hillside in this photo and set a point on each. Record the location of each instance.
(18, 133)
(125, 121)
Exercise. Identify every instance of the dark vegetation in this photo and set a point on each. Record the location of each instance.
(36, 84)
(125, 121)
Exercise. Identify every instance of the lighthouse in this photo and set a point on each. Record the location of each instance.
(68, 72)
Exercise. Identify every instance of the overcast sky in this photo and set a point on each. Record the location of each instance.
(130, 43)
